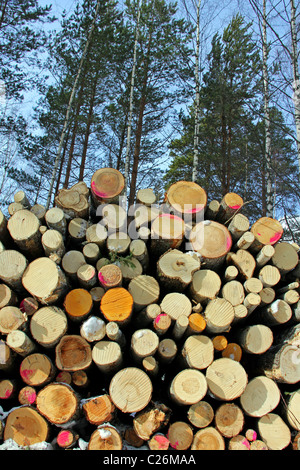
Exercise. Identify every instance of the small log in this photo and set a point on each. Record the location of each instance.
(20, 197)
(4, 233)
(55, 219)
(107, 185)
(212, 241)
(146, 316)
(175, 269)
(71, 262)
(117, 305)
(45, 281)
(12, 267)
(197, 324)
(130, 390)
(107, 356)
(188, 387)
(110, 276)
(23, 227)
(39, 211)
(267, 295)
(97, 234)
(243, 261)
(251, 302)
(143, 218)
(77, 228)
(255, 339)
(264, 255)
(73, 353)
(218, 314)
(113, 218)
(105, 437)
(205, 285)
(233, 291)
(53, 243)
(167, 351)
(93, 329)
(167, 232)
(159, 442)
(296, 442)
(25, 426)
(151, 419)
(269, 275)
(91, 252)
(161, 324)
(78, 304)
(132, 438)
(80, 379)
(97, 293)
(19, 342)
(230, 274)
(144, 342)
(74, 201)
(285, 257)
(58, 403)
(145, 290)
(229, 420)
(230, 205)
(48, 325)
(37, 370)
(114, 333)
(138, 249)
(176, 304)
(291, 297)
(253, 285)
(29, 305)
(238, 225)
(212, 209)
(201, 414)
(67, 438)
(118, 244)
(7, 357)
(258, 444)
(251, 435)
(64, 376)
(208, 439)
(180, 435)
(150, 366)
(87, 276)
(261, 396)
(27, 395)
(233, 351)
(99, 410)
(239, 442)
(180, 326)
(14, 207)
(274, 431)
(226, 379)
(277, 313)
(220, 342)
(8, 389)
(146, 196)
(198, 352)
(11, 318)
(7, 296)
(130, 268)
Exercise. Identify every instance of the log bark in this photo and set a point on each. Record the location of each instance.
(175, 269)
(292, 410)
(78, 304)
(58, 403)
(238, 226)
(73, 353)
(230, 205)
(130, 390)
(45, 281)
(26, 426)
(188, 387)
(48, 325)
(91, 252)
(23, 227)
(264, 255)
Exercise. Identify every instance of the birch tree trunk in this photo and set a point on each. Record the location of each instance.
(196, 132)
(67, 118)
(296, 84)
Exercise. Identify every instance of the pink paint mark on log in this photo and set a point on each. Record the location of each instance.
(63, 438)
(175, 445)
(162, 441)
(228, 243)
(275, 238)
(101, 278)
(26, 373)
(96, 192)
(171, 216)
(161, 315)
(30, 396)
(259, 234)
(194, 210)
(236, 207)
(246, 443)
(254, 436)
(22, 307)
(7, 394)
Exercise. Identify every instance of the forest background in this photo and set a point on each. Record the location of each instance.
(198, 90)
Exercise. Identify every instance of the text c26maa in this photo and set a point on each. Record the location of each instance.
(155, 459)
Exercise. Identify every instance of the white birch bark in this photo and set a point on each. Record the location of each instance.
(296, 76)
(197, 101)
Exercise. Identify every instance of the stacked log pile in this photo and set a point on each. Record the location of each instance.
(172, 326)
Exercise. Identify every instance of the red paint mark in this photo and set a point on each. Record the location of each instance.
(159, 317)
(26, 373)
(63, 438)
(275, 238)
(236, 207)
(175, 445)
(30, 396)
(254, 436)
(7, 394)
(101, 278)
(228, 243)
(98, 193)
(22, 308)
(162, 441)
(246, 443)
(259, 234)
(193, 211)
(171, 216)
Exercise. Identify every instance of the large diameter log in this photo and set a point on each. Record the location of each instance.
(198, 352)
(180, 435)
(107, 185)
(25, 426)
(74, 201)
(274, 431)
(255, 339)
(53, 243)
(230, 205)
(212, 241)
(23, 227)
(285, 257)
(151, 419)
(188, 387)
(48, 325)
(175, 269)
(176, 304)
(145, 290)
(58, 403)
(55, 219)
(267, 231)
(73, 353)
(37, 370)
(208, 439)
(229, 420)
(144, 342)
(78, 304)
(186, 197)
(218, 314)
(130, 390)
(106, 437)
(167, 232)
(201, 414)
(117, 305)
(243, 261)
(261, 396)
(107, 356)
(45, 281)
(205, 285)
(12, 267)
(11, 318)
(226, 379)
(98, 410)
